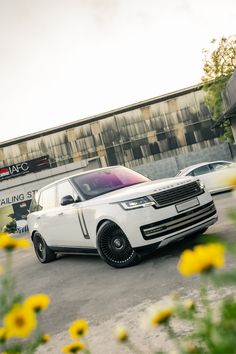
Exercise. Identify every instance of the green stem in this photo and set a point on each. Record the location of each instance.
(86, 350)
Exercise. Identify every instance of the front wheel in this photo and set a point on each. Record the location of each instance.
(43, 252)
(114, 247)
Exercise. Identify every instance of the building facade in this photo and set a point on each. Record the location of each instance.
(155, 129)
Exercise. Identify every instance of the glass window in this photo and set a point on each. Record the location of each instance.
(34, 202)
(201, 170)
(47, 199)
(65, 188)
(219, 165)
(93, 184)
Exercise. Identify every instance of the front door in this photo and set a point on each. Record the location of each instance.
(71, 231)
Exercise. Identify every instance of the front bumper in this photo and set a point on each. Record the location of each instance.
(148, 226)
(178, 222)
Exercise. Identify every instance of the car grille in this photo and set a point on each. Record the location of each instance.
(178, 222)
(177, 194)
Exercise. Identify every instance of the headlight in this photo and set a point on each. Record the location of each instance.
(136, 203)
(201, 185)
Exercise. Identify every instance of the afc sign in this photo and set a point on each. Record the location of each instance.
(16, 169)
(19, 168)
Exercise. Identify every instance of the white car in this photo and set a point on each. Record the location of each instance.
(117, 213)
(214, 175)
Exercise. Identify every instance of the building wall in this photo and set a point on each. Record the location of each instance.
(174, 124)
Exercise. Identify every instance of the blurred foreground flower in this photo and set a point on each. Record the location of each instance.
(121, 333)
(189, 304)
(78, 329)
(37, 302)
(9, 243)
(160, 316)
(202, 258)
(45, 338)
(20, 321)
(231, 181)
(74, 347)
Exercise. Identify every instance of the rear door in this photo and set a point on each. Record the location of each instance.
(44, 217)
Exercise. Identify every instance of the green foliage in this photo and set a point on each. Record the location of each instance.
(219, 65)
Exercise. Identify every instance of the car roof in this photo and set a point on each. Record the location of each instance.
(78, 174)
(192, 167)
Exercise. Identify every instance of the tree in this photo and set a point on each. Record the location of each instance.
(219, 65)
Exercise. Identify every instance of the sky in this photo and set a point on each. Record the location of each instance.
(63, 60)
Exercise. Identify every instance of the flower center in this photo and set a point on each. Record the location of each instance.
(19, 321)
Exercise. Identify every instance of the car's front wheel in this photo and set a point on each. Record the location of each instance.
(114, 247)
(43, 252)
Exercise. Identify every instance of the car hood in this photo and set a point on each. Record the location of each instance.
(140, 190)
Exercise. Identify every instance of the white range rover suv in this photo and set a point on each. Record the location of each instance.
(117, 213)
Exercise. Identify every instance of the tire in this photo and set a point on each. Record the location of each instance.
(43, 252)
(114, 248)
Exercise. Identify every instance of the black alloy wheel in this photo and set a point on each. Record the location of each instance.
(43, 252)
(114, 247)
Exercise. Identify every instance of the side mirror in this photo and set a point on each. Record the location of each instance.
(68, 199)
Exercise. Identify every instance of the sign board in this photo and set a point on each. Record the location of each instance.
(22, 168)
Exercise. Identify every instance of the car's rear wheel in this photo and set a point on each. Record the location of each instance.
(43, 252)
(114, 247)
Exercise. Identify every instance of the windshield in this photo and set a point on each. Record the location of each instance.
(95, 183)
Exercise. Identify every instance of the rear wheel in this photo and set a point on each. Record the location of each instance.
(114, 247)
(43, 252)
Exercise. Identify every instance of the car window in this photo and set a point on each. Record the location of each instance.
(47, 199)
(34, 202)
(95, 183)
(219, 165)
(200, 171)
(65, 188)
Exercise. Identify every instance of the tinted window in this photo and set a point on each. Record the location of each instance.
(200, 171)
(47, 199)
(219, 165)
(95, 183)
(64, 188)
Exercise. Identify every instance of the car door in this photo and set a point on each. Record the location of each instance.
(45, 217)
(69, 219)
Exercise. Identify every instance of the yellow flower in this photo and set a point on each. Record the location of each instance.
(37, 302)
(201, 259)
(74, 347)
(9, 243)
(78, 328)
(231, 181)
(45, 338)
(20, 321)
(121, 333)
(23, 243)
(161, 316)
(189, 304)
